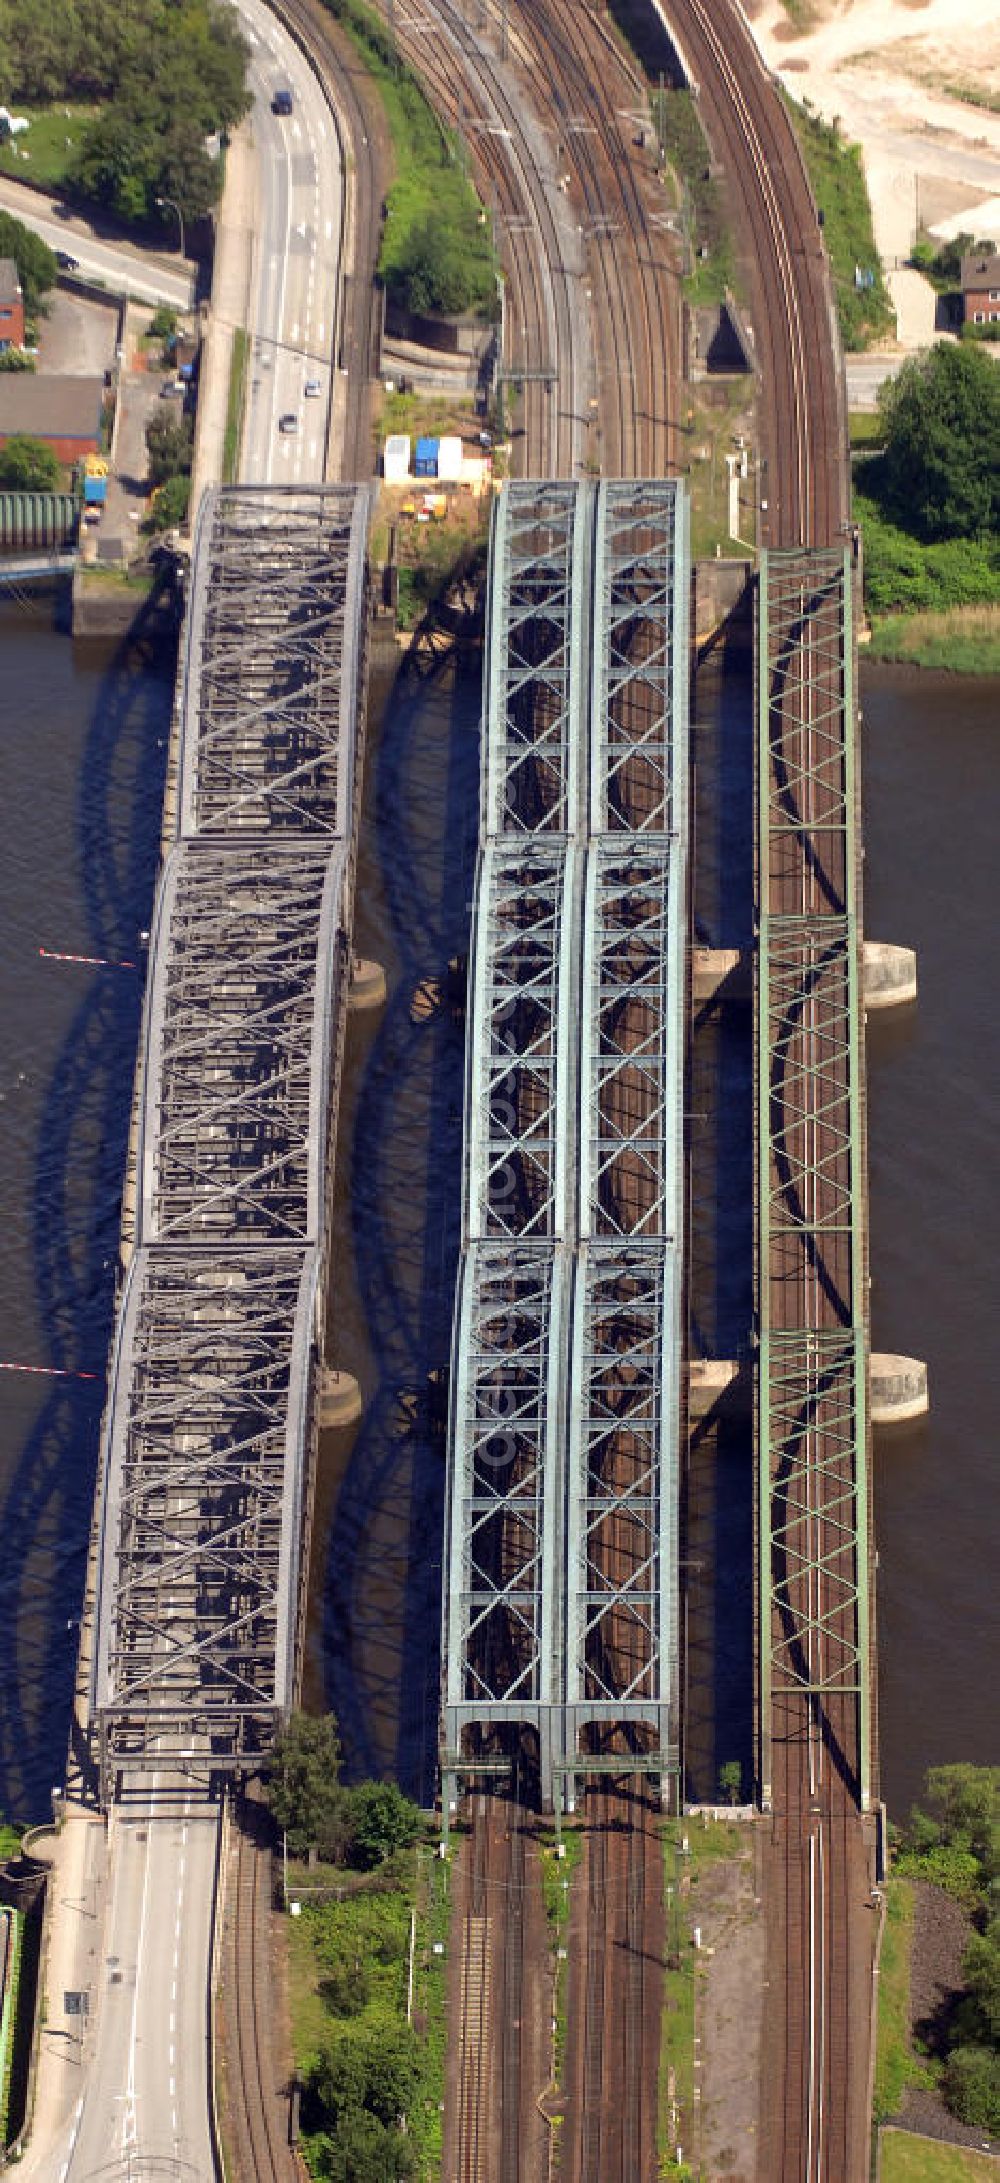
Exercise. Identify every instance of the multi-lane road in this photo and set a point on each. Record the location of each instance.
(143, 2104)
(144, 2108)
(294, 295)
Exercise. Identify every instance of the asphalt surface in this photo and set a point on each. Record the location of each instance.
(294, 302)
(145, 2104)
(122, 266)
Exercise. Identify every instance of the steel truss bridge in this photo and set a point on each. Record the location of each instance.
(560, 1593)
(813, 1528)
(211, 1421)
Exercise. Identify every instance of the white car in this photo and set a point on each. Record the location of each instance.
(313, 386)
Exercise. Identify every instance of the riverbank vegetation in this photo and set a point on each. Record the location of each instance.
(437, 252)
(927, 499)
(953, 1841)
(146, 85)
(949, 1847)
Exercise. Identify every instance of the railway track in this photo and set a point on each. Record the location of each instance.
(258, 2117)
(496, 2133)
(611, 2124)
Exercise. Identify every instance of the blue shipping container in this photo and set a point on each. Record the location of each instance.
(95, 490)
(425, 461)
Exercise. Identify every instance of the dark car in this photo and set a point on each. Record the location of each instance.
(282, 102)
(67, 263)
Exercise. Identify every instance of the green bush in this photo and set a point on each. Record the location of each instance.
(380, 1820)
(35, 262)
(170, 445)
(169, 504)
(972, 2086)
(165, 76)
(16, 360)
(28, 465)
(939, 472)
(904, 576)
(163, 322)
(357, 2094)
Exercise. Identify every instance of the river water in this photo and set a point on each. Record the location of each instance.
(84, 734)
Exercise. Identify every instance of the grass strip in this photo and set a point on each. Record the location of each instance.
(959, 641)
(908, 2159)
(234, 405)
(896, 2065)
(7, 2023)
(558, 1873)
(710, 264)
(834, 167)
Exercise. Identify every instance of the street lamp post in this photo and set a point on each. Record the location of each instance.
(174, 207)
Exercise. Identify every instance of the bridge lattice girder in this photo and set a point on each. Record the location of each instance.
(812, 1411)
(560, 1601)
(209, 1438)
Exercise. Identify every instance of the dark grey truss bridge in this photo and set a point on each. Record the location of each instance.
(211, 1421)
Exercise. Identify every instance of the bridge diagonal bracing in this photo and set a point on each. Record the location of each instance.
(534, 662)
(505, 1492)
(518, 1059)
(202, 1519)
(639, 702)
(812, 1420)
(210, 1427)
(248, 963)
(270, 670)
(621, 1547)
(560, 1553)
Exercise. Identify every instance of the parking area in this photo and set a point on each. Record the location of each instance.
(78, 336)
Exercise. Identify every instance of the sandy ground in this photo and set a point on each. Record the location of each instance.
(904, 76)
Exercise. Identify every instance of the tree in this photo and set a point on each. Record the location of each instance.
(982, 1976)
(304, 1793)
(972, 2086)
(170, 445)
(967, 1799)
(16, 360)
(380, 1820)
(940, 471)
(35, 262)
(374, 2069)
(731, 1780)
(169, 504)
(28, 465)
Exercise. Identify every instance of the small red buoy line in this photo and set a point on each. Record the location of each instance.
(93, 962)
(49, 1371)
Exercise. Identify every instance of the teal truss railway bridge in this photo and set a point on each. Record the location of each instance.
(560, 1592)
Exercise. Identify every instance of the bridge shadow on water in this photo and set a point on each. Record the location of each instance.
(718, 1527)
(80, 1150)
(377, 1560)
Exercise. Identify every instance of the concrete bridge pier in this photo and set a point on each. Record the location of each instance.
(367, 988)
(897, 1388)
(340, 1400)
(889, 974)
